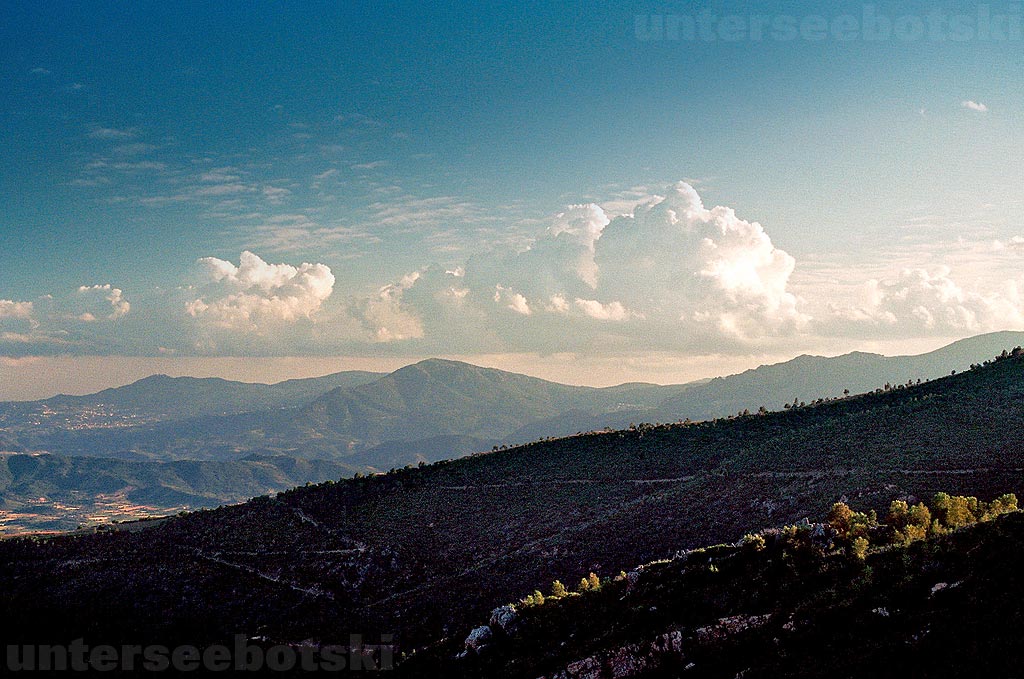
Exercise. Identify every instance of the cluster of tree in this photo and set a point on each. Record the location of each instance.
(1015, 353)
(851, 531)
(591, 583)
(905, 523)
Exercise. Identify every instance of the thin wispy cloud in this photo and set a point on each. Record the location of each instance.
(372, 165)
(220, 175)
(974, 106)
(133, 149)
(111, 133)
(227, 189)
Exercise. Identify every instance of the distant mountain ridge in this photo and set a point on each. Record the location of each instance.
(347, 416)
(806, 378)
(427, 552)
(182, 397)
(439, 397)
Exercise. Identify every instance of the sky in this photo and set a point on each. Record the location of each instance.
(589, 192)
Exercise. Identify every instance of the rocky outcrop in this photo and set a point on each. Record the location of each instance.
(504, 618)
(666, 650)
(729, 627)
(479, 638)
(627, 661)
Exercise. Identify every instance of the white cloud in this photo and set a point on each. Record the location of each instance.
(275, 194)
(99, 296)
(133, 149)
(19, 310)
(229, 189)
(707, 266)
(1016, 244)
(298, 231)
(613, 311)
(918, 302)
(670, 274)
(385, 316)
(974, 106)
(408, 211)
(255, 294)
(372, 165)
(512, 300)
(220, 175)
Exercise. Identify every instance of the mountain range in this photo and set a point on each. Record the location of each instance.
(368, 422)
(427, 552)
(351, 413)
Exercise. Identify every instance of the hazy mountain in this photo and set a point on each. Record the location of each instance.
(166, 397)
(807, 378)
(400, 453)
(435, 398)
(804, 378)
(418, 403)
(427, 552)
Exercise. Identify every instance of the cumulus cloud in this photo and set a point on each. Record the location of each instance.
(974, 106)
(613, 311)
(255, 293)
(386, 316)
(675, 259)
(98, 297)
(1015, 244)
(511, 300)
(19, 310)
(918, 302)
(672, 273)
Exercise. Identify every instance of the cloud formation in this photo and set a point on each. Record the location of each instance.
(670, 274)
(111, 133)
(663, 273)
(256, 294)
(11, 309)
(974, 106)
(97, 297)
(920, 302)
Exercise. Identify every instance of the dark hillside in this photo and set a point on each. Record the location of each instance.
(430, 549)
(796, 602)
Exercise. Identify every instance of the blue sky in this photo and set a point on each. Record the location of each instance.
(417, 156)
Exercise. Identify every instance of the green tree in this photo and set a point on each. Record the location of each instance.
(920, 515)
(558, 590)
(899, 514)
(919, 521)
(859, 548)
(839, 517)
(961, 511)
(753, 542)
(595, 582)
(1001, 505)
